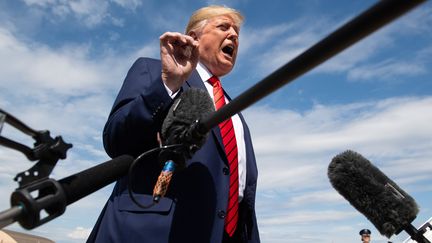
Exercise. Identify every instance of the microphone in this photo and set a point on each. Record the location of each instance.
(53, 196)
(374, 195)
(181, 123)
(182, 126)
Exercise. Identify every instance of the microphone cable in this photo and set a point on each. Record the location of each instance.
(135, 163)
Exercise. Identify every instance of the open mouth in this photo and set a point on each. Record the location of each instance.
(228, 49)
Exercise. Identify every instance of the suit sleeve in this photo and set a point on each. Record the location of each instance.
(138, 111)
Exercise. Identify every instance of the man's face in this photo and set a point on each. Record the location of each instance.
(218, 44)
(366, 238)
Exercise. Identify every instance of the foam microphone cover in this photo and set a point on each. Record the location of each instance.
(372, 193)
(192, 105)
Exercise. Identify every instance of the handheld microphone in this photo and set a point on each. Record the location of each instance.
(374, 195)
(181, 127)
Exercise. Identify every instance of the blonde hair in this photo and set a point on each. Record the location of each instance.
(199, 18)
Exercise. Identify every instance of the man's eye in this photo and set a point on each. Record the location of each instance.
(223, 27)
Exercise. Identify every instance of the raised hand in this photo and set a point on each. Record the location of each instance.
(179, 56)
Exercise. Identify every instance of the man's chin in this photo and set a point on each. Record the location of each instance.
(223, 71)
(222, 67)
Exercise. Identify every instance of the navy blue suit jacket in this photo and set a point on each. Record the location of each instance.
(194, 207)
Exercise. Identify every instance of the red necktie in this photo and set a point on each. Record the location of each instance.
(230, 144)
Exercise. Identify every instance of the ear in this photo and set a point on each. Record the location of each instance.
(193, 34)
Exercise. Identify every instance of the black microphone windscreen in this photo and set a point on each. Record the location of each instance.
(372, 193)
(193, 104)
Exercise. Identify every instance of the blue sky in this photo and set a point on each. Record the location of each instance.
(62, 63)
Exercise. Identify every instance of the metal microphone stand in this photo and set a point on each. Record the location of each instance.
(36, 192)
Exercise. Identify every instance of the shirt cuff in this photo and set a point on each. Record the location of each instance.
(170, 93)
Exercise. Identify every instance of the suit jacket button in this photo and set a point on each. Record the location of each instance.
(221, 214)
(225, 171)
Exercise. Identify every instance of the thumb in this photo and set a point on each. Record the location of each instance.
(195, 51)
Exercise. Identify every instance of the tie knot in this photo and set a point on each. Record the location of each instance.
(214, 81)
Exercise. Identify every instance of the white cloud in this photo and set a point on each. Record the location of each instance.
(301, 217)
(117, 22)
(358, 53)
(387, 70)
(222, 2)
(252, 37)
(66, 91)
(39, 2)
(315, 197)
(91, 13)
(95, 13)
(417, 21)
(324, 128)
(424, 55)
(129, 4)
(358, 61)
(79, 233)
(393, 69)
(64, 71)
(61, 87)
(270, 47)
(294, 149)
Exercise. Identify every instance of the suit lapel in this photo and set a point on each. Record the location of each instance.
(194, 81)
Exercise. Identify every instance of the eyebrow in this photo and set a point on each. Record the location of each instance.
(228, 21)
(235, 27)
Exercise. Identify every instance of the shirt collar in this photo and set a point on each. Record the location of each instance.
(203, 72)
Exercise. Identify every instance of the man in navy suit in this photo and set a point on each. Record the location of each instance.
(195, 208)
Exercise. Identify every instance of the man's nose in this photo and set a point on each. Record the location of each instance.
(232, 34)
